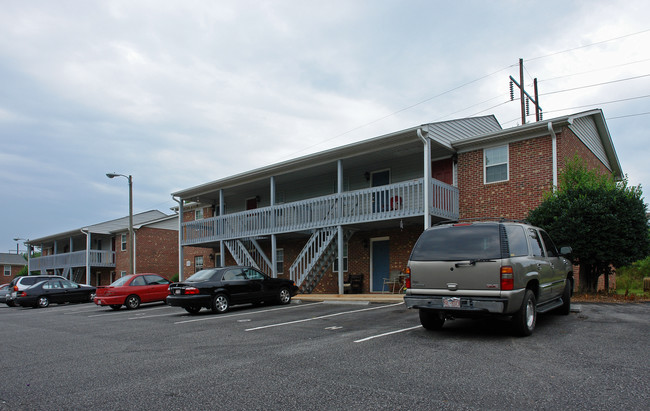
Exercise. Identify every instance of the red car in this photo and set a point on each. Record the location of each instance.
(131, 290)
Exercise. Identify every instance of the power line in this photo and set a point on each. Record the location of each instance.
(595, 85)
(629, 115)
(593, 71)
(599, 104)
(589, 45)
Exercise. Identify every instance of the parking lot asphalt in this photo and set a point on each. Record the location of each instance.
(318, 355)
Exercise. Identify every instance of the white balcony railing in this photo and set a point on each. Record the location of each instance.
(97, 258)
(399, 200)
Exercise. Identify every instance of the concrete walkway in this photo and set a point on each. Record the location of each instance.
(351, 298)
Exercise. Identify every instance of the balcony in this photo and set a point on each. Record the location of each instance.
(97, 258)
(399, 200)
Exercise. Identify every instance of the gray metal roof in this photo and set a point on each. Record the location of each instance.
(106, 227)
(442, 133)
(12, 259)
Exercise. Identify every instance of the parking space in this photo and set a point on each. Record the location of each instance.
(319, 355)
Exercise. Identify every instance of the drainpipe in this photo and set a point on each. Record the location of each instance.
(87, 233)
(554, 143)
(180, 237)
(427, 177)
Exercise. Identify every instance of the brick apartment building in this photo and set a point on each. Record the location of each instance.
(102, 250)
(362, 206)
(11, 266)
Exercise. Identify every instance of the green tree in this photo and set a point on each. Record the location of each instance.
(603, 221)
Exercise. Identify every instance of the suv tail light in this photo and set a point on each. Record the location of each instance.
(407, 279)
(507, 278)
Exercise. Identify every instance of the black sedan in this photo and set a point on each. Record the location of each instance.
(41, 294)
(219, 288)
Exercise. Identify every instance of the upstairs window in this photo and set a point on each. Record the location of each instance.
(123, 241)
(495, 162)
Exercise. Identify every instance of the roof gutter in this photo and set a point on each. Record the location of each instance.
(554, 144)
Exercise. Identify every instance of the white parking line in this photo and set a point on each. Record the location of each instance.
(321, 317)
(388, 333)
(218, 317)
(113, 312)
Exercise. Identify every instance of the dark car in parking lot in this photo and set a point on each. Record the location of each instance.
(60, 291)
(219, 288)
(22, 282)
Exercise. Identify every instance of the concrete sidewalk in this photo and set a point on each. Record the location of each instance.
(352, 298)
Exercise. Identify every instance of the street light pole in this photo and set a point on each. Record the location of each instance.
(131, 241)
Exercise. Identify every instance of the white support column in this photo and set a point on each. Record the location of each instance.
(274, 244)
(222, 248)
(427, 178)
(87, 257)
(339, 178)
(180, 238)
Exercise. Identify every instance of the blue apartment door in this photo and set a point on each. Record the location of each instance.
(380, 264)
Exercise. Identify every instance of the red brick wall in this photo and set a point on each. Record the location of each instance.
(15, 269)
(156, 251)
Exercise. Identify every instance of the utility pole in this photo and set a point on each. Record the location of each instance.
(522, 93)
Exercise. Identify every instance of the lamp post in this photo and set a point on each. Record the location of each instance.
(29, 249)
(130, 180)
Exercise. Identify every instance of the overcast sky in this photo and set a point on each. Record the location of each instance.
(180, 93)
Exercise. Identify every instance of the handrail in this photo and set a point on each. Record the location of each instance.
(98, 258)
(398, 200)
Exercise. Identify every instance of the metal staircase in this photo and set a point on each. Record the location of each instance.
(248, 252)
(316, 257)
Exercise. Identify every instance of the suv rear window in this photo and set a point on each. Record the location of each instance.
(458, 243)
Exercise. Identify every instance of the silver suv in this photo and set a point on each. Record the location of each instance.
(488, 268)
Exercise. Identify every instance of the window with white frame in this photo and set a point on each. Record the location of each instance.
(345, 260)
(123, 240)
(198, 214)
(495, 162)
(198, 263)
(7, 271)
(122, 274)
(279, 260)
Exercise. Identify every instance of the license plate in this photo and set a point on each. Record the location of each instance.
(13, 295)
(451, 302)
(177, 291)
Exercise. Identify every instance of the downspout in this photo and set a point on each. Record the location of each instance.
(554, 150)
(427, 177)
(180, 237)
(87, 233)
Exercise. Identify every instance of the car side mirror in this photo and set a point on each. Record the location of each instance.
(566, 250)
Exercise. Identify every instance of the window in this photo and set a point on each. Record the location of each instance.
(279, 259)
(217, 259)
(535, 243)
(345, 260)
(123, 240)
(517, 241)
(122, 274)
(551, 251)
(198, 214)
(253, 274)
(495, 161)
(7, 271)
(198, 263)
(138, 281)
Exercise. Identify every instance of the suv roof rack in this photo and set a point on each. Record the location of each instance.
(477, 219)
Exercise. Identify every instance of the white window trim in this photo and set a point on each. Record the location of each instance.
(7, 268)
(198, 214)
(123, 242)
(277, 260)
(346, 266)
(507, 163)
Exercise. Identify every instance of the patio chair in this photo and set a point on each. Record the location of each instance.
(392, 281)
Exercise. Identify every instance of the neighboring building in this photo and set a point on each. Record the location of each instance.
(103, 249)
(11, 265)
(362, 206)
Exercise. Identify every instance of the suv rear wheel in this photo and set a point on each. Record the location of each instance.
(524, 320)
(431, 320)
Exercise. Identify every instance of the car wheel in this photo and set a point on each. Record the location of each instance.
(565, 309)
(43, 302)
(524, 320)
(116, 307)
(132, 302)
(220, 303)
(431, 320)
(193, 310)
(284, 296)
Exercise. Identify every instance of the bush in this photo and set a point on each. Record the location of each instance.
(631, 277)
